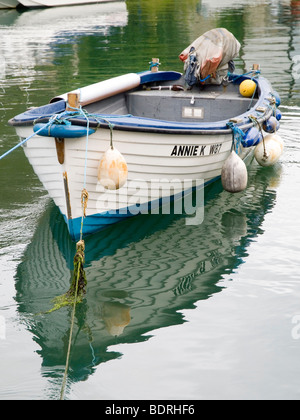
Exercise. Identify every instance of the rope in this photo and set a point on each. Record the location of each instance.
(84, 199)
(79, 257)
(255, 121)
(237, 136)
(26, 140)
(70, 337)
(153, 65)
(205, 78)
(252, 97)
(84, 194)
(255, 73)
(64, 117)
(272, 107)
(233, 79)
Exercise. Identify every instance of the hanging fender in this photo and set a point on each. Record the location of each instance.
(252, 137)
(271, 125)
(278, 115)
(268, 152)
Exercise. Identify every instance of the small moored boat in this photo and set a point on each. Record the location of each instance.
(130, 144)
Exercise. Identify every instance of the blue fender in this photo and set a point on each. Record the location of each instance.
(252, 137)
(271, 125)
(276, 97)
(62, 130)
(278, 115)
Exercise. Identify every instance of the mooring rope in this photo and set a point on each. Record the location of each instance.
(80, 244)
(28, 138)
(62, 392)
(80, 258)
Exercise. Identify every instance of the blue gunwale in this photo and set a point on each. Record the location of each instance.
(133, 123)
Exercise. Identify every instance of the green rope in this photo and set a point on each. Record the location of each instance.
(80, 282)
(79, 279)
(237, 136)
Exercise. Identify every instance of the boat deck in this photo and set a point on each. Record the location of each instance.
(210, 104)
(216, 104)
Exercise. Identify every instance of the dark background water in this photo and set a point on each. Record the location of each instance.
(171, 311)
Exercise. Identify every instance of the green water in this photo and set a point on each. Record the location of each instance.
(171, 311)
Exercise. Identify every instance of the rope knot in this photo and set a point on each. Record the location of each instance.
(237, 135)
(84, 200)
(80, 247)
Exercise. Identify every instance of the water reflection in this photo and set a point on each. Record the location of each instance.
(29, 38)
(140, 273)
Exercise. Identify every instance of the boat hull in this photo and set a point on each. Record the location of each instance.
(160, 167)
(170, 155)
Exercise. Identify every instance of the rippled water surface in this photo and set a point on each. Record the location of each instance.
(172, 311)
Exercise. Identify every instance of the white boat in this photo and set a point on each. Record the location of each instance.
(8, 4)
(167, 140)
(56, 3)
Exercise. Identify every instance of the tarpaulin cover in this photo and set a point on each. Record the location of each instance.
(209, 56)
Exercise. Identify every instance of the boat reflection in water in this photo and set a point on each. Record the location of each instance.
(140, 273)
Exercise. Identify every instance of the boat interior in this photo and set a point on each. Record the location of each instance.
(168, 101)
(203, 103)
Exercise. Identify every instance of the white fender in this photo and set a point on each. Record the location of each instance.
(112, 171)
(234, 175)
(268, 151)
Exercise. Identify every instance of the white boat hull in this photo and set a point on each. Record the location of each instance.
(153, 172)
(169, 156)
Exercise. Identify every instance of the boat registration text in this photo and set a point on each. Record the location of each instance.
(196, 150)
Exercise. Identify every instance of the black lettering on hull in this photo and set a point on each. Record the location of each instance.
(195, 150)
